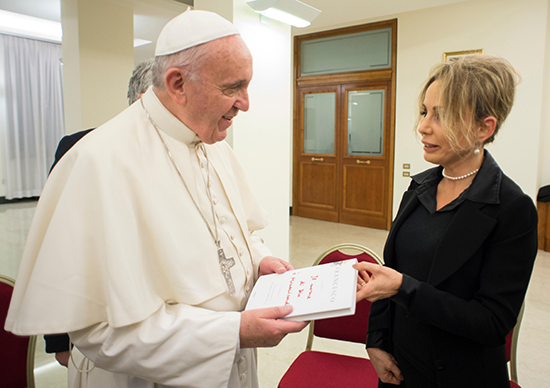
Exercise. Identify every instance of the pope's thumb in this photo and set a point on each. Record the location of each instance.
(278, 312)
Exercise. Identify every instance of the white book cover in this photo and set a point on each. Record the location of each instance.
(322, 291)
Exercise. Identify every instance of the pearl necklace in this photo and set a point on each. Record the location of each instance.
(457, 178)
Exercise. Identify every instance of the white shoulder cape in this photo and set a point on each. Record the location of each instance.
(115, 234)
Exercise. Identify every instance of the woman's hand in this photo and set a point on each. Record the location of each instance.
(379, 282)
(385, 366)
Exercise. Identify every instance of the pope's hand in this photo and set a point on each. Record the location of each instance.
(270, 264)
(385, 366)
(264, 328)
(379, 282)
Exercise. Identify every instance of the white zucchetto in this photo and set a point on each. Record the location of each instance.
(192, 28)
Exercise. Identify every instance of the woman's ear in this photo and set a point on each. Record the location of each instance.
(487, 128)
(174, 80)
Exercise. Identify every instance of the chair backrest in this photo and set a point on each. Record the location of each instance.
(352, 328)
(512, 346)
(16, 353)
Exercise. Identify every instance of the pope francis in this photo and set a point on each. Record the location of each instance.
(142, 247)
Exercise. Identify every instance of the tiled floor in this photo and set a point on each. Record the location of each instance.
(308, 238)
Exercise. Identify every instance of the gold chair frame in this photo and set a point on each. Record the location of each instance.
(339, 247)
(514, 347)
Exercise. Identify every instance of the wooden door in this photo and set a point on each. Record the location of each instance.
(365, 154)
(342, 165)
(318, 194)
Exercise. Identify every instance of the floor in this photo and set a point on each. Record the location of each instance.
(308, 238)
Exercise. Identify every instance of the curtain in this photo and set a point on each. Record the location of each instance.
(31, 112)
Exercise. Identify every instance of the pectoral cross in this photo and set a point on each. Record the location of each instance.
(226, 265)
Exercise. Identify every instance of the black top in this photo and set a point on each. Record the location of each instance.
(465, 269)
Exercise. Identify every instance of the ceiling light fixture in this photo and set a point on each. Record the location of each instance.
(35, 28)
(141, 42)
(29, 27)
(291, 12)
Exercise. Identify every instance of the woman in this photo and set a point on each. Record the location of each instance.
(461, 249)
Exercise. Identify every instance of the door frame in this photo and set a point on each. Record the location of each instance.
(382, 75)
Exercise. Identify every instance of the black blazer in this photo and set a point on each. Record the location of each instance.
(477, 283)
(66, 144)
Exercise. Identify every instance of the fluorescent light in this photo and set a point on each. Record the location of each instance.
(285, 17)
(141, 42)
(29, 27)
(291, 12)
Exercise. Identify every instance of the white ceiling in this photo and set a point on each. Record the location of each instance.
(348, 11)
(45, 9)
(151, 15)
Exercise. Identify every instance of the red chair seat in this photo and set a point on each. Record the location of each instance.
(514, 385)
(13, 357)
(313, 369)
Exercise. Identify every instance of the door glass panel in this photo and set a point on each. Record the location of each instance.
(366, 122)
(319, 118)
(368, 50)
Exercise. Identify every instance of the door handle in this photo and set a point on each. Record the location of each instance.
(362, 161)
(317, 159)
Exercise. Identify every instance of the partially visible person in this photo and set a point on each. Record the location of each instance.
(460, 252)
(140, 81)
(143, 246)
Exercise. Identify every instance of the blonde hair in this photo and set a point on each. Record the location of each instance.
(470, 89)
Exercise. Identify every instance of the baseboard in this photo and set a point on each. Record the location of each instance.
(3, 200)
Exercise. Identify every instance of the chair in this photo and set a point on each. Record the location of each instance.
(325, 370)
(511, 350)
(16, 353)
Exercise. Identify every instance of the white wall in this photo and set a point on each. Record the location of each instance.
(98, 60)
(507, 28)
(261, 137)
(515, 30)
(544, 146)
(225, 10)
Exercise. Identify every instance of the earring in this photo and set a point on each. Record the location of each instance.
(477, 149)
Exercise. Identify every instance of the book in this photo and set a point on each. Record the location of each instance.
(322, 291)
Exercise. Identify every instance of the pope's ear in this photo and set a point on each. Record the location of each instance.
(174, 80)
(487, 128)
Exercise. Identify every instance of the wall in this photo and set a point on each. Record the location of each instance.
(261, 136)
(508, 28)
(224, 9)
(544, 145)
(98, 60)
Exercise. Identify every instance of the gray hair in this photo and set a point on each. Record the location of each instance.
(189, 60)
(142, 78)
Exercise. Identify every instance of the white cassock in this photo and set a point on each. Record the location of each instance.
(119, 257)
